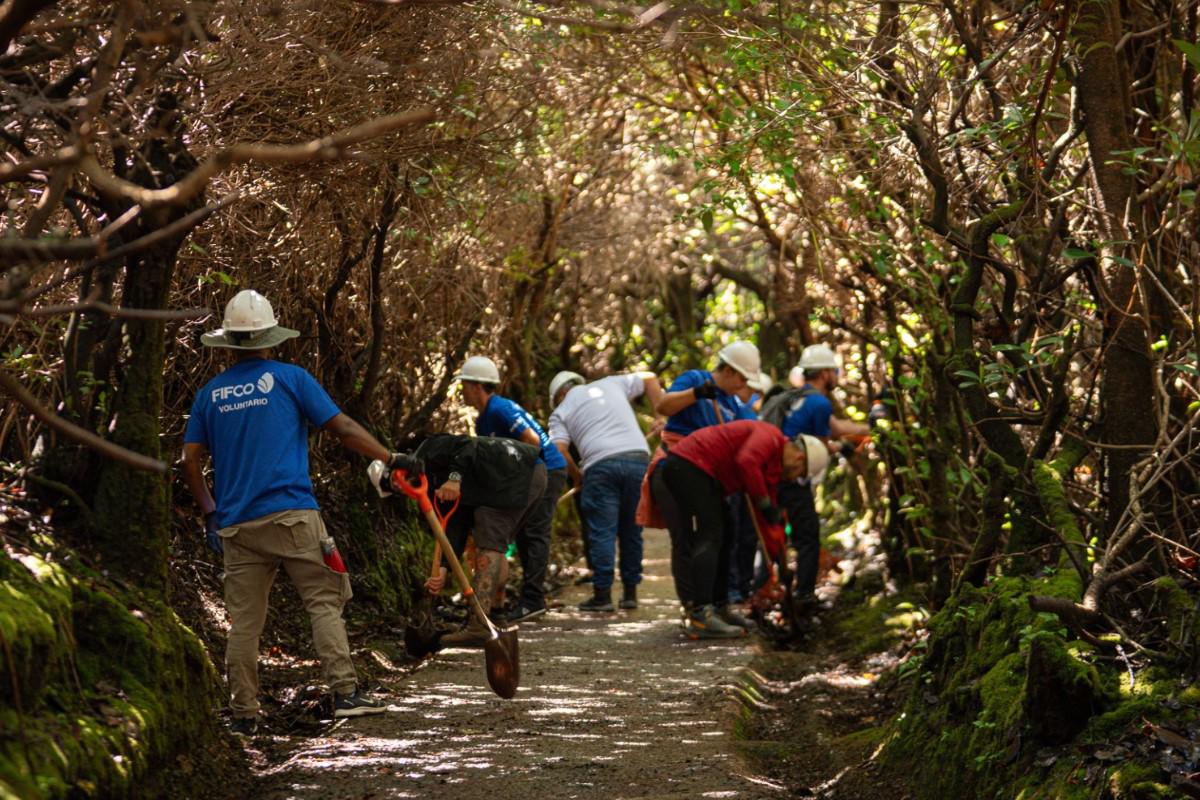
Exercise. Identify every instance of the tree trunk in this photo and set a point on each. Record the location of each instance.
(133, 506)
(1127, 404)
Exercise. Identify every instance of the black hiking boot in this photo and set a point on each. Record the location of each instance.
(629, 597)
(601, 601)
(243, 726)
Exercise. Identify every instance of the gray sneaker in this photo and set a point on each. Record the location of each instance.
(734, 617)
(356, 705)
(704, 623)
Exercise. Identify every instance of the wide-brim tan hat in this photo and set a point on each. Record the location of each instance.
(248, 340)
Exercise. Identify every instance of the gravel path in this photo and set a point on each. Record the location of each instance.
(610, 706)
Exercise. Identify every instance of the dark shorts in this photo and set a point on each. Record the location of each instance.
(495, 528)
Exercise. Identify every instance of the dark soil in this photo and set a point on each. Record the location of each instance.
(820, 719)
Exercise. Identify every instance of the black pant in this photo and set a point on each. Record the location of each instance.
(797, 500)
(743, 549)
(691, 502)
(533, 541)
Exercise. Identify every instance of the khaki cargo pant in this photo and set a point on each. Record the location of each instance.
(254, 551)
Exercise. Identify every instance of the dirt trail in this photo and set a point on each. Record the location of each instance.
(610, 706)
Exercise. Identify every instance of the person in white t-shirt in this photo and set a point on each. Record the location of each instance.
(598, 419)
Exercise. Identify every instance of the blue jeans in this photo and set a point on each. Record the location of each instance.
(611, 491)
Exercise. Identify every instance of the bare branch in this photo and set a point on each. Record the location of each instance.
(327, 147)
(176, 228)
(72, 431)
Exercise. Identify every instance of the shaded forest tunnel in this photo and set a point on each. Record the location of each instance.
(985, 208)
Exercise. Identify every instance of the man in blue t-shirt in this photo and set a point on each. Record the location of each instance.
(253, 419)
(812, 414)
(499, 416)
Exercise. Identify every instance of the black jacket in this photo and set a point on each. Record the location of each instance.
(495, 472)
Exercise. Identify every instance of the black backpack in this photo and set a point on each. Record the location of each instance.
(780, 407)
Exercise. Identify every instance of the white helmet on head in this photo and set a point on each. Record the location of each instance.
(816, 455)
(479, 369)
(818, 356)
(249, 324)
(562, 379)
(760, 383)
(743, 357)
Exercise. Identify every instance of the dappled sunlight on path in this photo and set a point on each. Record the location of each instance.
(610, 706)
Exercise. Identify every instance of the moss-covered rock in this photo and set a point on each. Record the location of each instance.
(102, 687)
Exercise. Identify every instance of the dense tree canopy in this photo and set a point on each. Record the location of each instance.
(988, 206)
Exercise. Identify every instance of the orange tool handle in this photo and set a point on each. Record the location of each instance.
(418, 491)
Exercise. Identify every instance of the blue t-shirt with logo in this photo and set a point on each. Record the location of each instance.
(502, 417)
(252, 418)
(700, 414)
(812, 417)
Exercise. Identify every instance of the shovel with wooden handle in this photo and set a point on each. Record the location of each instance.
(500, 650)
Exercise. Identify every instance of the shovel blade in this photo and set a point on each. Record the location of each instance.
(503, 663)
(421, 642)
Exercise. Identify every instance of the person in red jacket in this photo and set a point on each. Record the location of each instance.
(710, 464)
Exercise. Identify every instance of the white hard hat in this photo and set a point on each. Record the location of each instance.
(818, 356)
(742, 356)
(480, 369)
(796, 377)
(760, 383)
(562, 379)
(816, 455)
(249, 324)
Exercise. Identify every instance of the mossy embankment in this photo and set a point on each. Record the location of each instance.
(1006, 703)
(104, 692)
(984, 699)
(386, 545)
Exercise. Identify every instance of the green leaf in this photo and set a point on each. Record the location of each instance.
(1076, 253)
(706, 219)
(1189, 50)
(1001, 239)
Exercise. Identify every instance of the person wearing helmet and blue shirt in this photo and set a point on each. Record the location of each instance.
(500, 416)
(811, 414)
(253, 420)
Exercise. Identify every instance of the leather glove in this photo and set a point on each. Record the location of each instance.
(770, 512)
(705, 391)
(409, 463)
(212, 536)
(380, 477)
(847, 449)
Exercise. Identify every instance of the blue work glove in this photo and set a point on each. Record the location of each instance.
(211, 534)
(705, 391)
